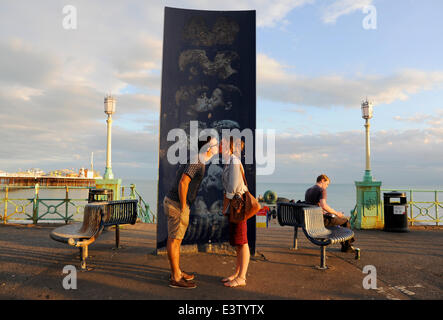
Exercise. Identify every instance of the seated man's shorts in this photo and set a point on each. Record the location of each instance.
(177, 221)
(336, 221)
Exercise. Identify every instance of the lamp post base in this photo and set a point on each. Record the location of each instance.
(108, 174)
(113, 184)
(368, 176)
(367, 213)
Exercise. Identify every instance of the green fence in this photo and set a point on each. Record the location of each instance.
(144, 211)
(55, 204)
(423, 205)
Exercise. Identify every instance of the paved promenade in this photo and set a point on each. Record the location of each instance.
(409, 266)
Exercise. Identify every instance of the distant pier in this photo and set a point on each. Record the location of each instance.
(47, 181)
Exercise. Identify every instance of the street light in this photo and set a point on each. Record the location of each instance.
(367, 213)
(367, 111)
(109, 110)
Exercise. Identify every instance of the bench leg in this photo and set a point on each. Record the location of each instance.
(323, 258)
(83, 256)
(117, 237)
(295, 245)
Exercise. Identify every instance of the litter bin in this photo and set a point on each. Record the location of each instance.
(96, 195)
(395, 211)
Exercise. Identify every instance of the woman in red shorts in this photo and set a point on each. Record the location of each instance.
(234, 185)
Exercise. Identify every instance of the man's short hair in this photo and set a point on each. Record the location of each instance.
(322, 177)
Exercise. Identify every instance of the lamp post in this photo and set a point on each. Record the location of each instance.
(109, 110)
(367, 110)
(108, 181)
(367, 213)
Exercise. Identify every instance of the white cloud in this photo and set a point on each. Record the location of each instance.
(269, 13)
(275, 82)
(397, 157)
(23, 65)
(433, 120)
(19, 92)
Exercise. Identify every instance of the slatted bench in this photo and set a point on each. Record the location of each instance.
(310, 219)
(96, 217)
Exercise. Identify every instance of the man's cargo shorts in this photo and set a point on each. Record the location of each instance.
(177, 221)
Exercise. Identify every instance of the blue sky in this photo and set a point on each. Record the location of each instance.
(315, 62)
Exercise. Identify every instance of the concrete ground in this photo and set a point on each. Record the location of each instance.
(409, 266)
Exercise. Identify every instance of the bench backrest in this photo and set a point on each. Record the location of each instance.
(291, 214)
(313, 223)
(120, 212)
(308, 217)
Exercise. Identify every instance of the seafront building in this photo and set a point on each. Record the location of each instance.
(62, 173)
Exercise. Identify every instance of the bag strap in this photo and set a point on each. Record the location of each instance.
(243, 174)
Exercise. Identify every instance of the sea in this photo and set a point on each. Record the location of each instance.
(341, 197)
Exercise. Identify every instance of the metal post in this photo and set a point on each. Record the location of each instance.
(132, 195)
(323, 258)
(411, 207)
(368, 147)
(436, 208)
(36, 204)
(109, 147)
(108, 170)
(294, 244)
(84, 255)
(6, 205)
(66, 203)
(147, 213)
(81, 257)
(117, 236)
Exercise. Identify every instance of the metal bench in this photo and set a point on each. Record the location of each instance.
(96, 217)
(310, 219)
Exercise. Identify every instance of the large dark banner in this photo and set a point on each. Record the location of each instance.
(208, 77)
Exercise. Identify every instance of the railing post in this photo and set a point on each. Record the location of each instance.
(411, 205)
(132, 195)
(6, 204)
(147, 214)
(67, 203)
(436, 208)
(36, 205)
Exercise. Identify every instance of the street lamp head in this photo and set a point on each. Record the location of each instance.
(109, 105)
(366, 109)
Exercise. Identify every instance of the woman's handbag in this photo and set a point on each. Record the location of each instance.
(243, 207)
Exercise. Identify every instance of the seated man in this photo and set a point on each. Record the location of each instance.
(316, 195)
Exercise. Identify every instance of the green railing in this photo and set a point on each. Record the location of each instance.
(144, 212)
(38, 204)
(422, 210)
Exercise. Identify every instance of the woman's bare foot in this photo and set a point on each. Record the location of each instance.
(237, 282)
(230, 278)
